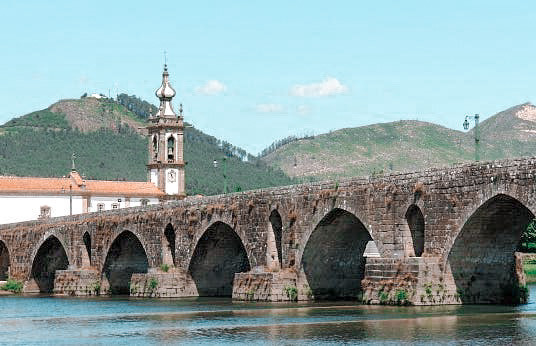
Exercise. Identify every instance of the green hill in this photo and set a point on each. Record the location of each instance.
(108, 140)
(109, 144)
(403, 146)
(510, 133)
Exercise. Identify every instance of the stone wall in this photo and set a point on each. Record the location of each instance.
(458, 205)
(266, 286)
(174, 284)
(77, 282)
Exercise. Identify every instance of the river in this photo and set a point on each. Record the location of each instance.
(123, 320)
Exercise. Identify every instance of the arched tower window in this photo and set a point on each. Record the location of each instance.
(155, 147)
(171, 148)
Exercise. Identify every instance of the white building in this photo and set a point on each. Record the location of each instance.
(31, 198)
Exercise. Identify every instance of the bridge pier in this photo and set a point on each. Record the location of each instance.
(77, 282)
(176, 283)
(265, 286)
(425, 281)
(31, 287)
(405, 281)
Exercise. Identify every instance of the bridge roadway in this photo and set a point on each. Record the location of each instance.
(445, 236)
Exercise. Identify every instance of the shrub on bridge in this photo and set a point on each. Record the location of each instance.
(401, 297)
(291, 293)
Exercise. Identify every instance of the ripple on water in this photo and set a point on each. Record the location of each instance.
(138, 321)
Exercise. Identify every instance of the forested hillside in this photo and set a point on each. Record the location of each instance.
(105, 137)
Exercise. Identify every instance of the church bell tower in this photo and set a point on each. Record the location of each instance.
(166, 143)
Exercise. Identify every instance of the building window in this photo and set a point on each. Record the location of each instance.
(155, 147)
(144, 202)
(45, 212)
(100, 207)
(115, 205)
(171, 148)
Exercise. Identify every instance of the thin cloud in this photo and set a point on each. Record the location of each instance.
(269, 108)
(212, 87)
(303, 109)
(329, 86)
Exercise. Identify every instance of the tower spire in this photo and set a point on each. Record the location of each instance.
(166, 138)
(165, 93)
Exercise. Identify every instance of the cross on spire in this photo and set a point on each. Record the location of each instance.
(165, 58)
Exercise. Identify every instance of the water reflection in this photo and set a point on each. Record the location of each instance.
(31, 320)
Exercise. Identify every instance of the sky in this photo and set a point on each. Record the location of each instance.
(252, 72)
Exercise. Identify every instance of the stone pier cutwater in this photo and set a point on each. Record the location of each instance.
(443, 236)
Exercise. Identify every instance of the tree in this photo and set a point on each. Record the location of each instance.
(529, 237)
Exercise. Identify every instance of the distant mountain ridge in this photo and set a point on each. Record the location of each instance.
(405, 145)
(109, 144)
(108, 140)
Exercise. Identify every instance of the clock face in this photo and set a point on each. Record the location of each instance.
(172, 176)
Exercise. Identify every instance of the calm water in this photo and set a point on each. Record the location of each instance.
(52, 320)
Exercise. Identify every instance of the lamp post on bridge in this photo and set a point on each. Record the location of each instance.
(476, 118)
(215, 163)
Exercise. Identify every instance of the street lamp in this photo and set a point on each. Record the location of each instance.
(476, 118)
(215, 163)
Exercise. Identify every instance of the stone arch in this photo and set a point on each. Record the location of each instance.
(274, 251)
(50, 256)
(87, 246)
(332, 260)
(168, 246)
(4, 261)
(481, 262)
(218, 255)
(415, 220)
(125, 256)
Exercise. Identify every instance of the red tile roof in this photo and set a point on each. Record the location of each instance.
(78, 186)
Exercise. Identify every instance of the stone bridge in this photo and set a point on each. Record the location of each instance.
(444, 236)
